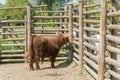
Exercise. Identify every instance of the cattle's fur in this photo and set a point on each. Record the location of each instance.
(41, 47)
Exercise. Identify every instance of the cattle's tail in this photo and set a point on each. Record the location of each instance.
(31, 50)
(26, 57)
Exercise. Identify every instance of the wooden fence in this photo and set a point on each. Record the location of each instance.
(93, 28)
(15, 39)
(96, 40)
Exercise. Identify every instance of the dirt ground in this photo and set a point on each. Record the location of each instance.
(63, 71)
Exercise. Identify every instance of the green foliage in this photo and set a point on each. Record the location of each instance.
(53, 4)
(7, 48)
(14, 14)
(119, 3)
(14, 3)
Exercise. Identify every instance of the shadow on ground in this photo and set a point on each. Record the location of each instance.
(62, 64)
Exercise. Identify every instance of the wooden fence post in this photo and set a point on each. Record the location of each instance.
(28, 24)
(61, 14)
(26, 41)
(102, 40)
(65, 20)
(70, 54)
(81, 34)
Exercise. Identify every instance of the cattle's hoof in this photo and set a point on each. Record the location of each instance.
(53, 66)
(32, 69)
(37, 68)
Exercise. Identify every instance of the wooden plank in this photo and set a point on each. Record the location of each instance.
(76, 61)
(91, 39)
(91, 63)
(112, 61)
(39, 29)
(76, 42)
(12, 55)
(61, 58)
(91, 29)
(14, 27)
(76, 24)
(114, 74)
(76, 56)
(114, 27)
(76, 50)
(49, 17)
(76, 39)
(63, 23)
(12, 51)
(114, 14)
(91, 12)
(17, 39)
(91, 21)
(113, 49)
(12, 45)
(12, 60)
(13, 33)
(91, 56)
(76, 30)
(91, 72)
(13, 21)
(113, 38)
(90, 46)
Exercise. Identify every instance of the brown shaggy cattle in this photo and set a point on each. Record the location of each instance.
(41, 47)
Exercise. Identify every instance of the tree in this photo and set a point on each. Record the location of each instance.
(52, 4)
(14, 14)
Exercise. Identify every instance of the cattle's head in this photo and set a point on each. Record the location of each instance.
(62, 38)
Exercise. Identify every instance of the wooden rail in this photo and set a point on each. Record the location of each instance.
(91, 19)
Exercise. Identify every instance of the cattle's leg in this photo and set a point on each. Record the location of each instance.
(37, 64)
(37, 58)
(52, 59)
(31, 64)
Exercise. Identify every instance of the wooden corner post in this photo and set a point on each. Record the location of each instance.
(28, 24)
(81, 34)
(70, 27)
(102, 40)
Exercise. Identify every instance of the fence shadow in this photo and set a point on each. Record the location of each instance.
(64, 64)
